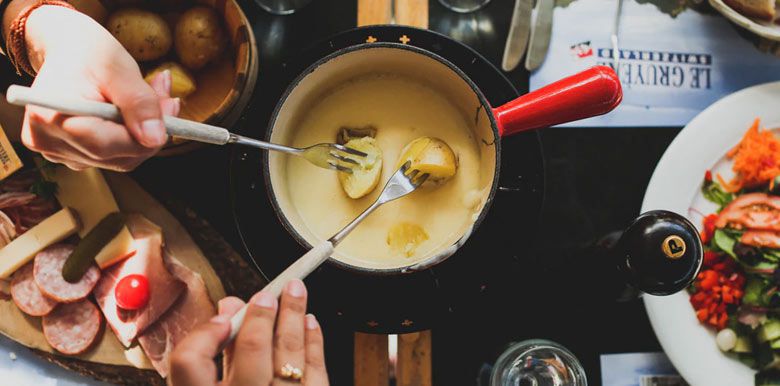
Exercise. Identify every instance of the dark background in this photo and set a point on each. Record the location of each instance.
(595, 182)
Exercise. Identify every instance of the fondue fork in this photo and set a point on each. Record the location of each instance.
(325, 155)
(400, 184)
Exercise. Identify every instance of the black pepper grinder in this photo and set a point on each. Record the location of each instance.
(660, 253)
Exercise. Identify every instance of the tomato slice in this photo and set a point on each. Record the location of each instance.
(132, 292)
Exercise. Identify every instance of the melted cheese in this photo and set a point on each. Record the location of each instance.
(402, 111)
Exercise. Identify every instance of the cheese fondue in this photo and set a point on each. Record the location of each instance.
(401, 110)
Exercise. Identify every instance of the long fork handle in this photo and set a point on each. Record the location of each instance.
(183, 128)
(301, 268)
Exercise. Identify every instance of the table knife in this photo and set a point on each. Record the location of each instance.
(517, 40)
(540, 34)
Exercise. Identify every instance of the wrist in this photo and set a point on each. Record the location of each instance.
(51, 27)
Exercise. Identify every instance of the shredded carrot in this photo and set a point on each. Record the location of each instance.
(756, 159)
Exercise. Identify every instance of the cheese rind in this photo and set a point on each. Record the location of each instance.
(52, 230)
(89, 195)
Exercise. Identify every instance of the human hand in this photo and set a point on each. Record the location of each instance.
(76, 56)
(263, 346)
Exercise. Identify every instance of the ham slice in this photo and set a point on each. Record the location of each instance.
(193, 308)
(752, 211)
(164, 288)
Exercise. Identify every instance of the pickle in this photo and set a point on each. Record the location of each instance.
(83, 255)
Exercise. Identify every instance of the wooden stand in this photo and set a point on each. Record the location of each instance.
(372, 362)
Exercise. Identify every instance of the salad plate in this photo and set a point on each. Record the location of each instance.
(676, 185)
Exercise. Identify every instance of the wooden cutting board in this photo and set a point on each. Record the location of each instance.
(109, 360)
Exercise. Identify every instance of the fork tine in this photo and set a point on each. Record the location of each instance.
(405, 166)
(350, 150)
(412, 174)
(421, 180)
(340, 168)
(342, 158)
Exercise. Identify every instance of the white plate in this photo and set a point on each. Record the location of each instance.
(675, 186)
(761, 28)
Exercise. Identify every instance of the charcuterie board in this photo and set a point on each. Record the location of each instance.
(108, 359)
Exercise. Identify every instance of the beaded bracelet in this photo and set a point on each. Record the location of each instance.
(17, 46)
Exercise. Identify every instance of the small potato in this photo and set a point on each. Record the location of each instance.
(198, 37)
(365, 176)
(430, 155)
(91, 8)
(404, 238)
(182, 83)
(144, 34)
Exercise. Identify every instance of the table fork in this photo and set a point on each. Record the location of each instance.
(325, 155)
(401, 183)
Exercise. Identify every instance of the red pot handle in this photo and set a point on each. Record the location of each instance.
(589, 93)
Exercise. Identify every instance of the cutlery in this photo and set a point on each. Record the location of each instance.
(325, 155)
(614, 38)
(400, 184)
(540, 34)
(517, 40)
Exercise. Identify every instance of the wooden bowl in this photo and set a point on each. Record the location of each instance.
(223, 88)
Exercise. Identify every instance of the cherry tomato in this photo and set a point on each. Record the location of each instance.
(132, 292)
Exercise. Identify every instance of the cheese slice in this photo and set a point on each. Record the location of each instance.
(88, 194)
(49, 231)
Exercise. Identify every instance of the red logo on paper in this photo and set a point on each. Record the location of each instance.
(582, 50)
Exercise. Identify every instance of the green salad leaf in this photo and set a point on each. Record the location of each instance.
(714, 193)
(725, 242)
(772, 255)
(754, 289)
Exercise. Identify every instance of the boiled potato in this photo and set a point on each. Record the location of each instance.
(404, 238)
(144, 34)
(198, 37)
(182, 83)
(91, 8)
(430, 155)
(364, 176)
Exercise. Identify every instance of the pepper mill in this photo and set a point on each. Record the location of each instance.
(659, 253)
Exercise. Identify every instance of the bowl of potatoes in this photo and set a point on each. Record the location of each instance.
(208, 46)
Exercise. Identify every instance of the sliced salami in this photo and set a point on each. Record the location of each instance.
(72, 327)
(48, 275)
(26, 294)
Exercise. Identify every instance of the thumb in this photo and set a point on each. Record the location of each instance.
(140, 107)
(192, 362)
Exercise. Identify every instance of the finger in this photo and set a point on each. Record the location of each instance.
(228, 306)
(289, 341)
(69, 164)
(100, 139)
(37, 136)
(253, 348)
(139, 104)
(316, 373)
(161, 84)
(192, 362)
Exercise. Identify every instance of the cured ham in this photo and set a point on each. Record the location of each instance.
(164, 288)
(193, 308)
(752, 211)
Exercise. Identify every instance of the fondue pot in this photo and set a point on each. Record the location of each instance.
(592, 92)
(407, 298)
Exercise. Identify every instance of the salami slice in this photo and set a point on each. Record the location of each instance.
(26, 294)
(48, 275)
(72, 327)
